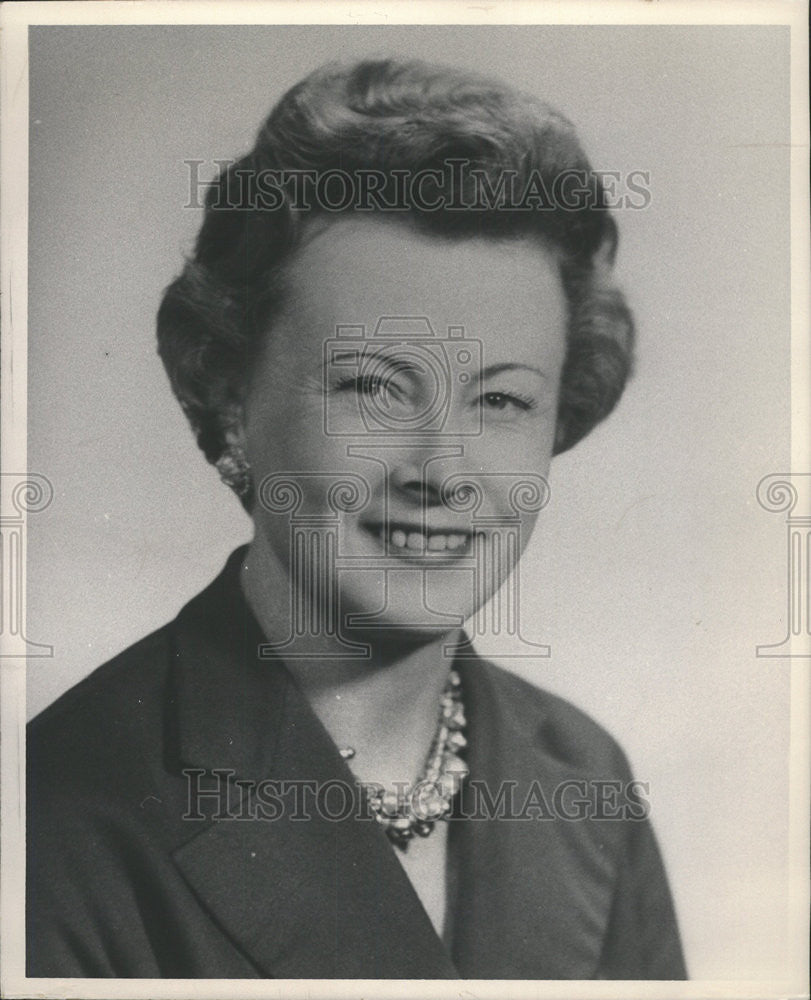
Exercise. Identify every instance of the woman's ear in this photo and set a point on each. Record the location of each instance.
(232, 422)
(232, 463)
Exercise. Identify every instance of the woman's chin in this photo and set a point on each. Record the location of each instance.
(422, 606)
(390, 642)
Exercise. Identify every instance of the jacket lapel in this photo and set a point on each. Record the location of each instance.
(302, 897)
(534, 896)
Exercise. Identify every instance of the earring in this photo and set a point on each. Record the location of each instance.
(235, 471)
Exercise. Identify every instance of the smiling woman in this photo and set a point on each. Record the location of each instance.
(507, 302)
(384, 390)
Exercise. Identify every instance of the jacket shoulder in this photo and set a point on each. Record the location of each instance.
(113, 715)
(557, 727)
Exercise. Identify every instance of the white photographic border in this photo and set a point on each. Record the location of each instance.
(16, 18)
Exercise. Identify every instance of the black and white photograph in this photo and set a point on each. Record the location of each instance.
(406, 501)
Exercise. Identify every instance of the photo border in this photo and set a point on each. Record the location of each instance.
(15, 19)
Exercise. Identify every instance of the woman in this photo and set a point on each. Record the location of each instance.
(399, 309)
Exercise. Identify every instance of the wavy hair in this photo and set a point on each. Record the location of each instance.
(393, 117)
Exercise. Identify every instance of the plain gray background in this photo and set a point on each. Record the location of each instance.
(654, 572)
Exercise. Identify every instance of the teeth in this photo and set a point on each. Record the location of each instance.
(416, 541)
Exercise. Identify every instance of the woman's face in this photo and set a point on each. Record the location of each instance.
(355, 385)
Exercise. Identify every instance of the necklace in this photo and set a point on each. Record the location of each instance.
(416, 809)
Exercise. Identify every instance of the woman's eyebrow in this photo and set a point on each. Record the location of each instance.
(507, 366)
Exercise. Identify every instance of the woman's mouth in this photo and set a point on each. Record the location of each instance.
(410, 539)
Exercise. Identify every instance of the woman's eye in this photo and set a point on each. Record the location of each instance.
(501, 401)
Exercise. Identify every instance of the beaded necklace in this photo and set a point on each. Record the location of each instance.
(416, 809)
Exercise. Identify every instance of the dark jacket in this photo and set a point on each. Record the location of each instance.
(125, 878)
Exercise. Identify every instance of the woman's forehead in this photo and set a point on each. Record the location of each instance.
(358, 271)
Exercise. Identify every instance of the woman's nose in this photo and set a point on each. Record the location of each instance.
(417, 488)
(419, 480)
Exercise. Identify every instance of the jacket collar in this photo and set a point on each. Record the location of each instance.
(329, 899)
(303, 899)
(230, 702)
